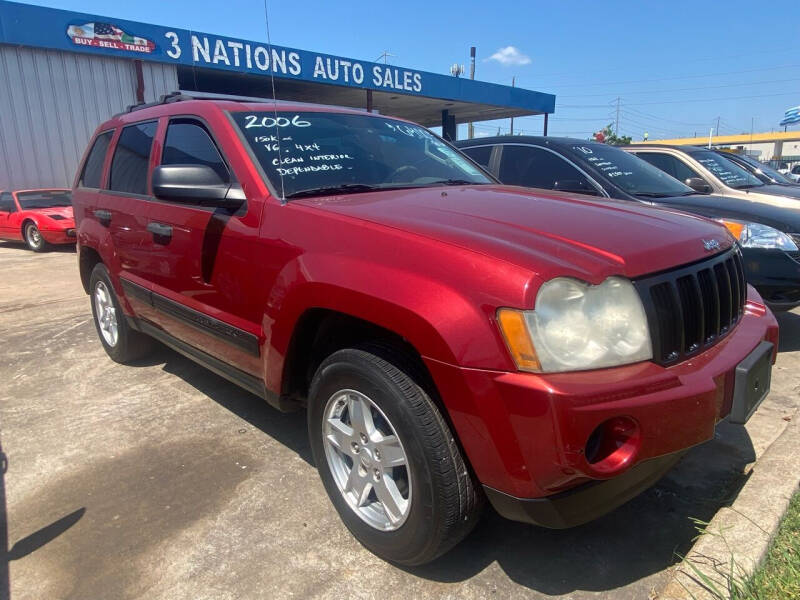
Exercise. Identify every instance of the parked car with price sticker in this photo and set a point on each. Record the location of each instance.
(708, 172)
(40, 218)
(452, 339)
(768, 232)
(764, 173)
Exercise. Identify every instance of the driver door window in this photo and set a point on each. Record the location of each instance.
(670, 165)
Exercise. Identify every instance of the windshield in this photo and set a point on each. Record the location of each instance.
(335, 153)
(629, 172)
(768, 171)
(727, 171)
(44, 199)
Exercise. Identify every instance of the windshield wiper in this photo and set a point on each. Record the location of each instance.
(455, 182)
(331, 190)
(749, 186)
(654, 195)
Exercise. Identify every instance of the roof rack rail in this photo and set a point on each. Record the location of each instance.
(184, 95)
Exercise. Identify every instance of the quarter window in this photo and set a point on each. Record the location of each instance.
(529, 166)
(131, 158)
(7, 203)
(92, 172)
(188, 143)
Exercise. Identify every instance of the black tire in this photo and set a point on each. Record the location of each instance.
(446, 501)
(130, 345)
(33, 237)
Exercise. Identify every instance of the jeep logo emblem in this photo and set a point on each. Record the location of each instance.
(710, 245)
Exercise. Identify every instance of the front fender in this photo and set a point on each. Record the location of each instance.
(438, 321)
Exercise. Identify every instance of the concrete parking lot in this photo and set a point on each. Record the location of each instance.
(163, 480)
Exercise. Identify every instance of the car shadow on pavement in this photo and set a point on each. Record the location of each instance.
(5, 584)
(639, 539)
(22, 247)
(789, 323)
(287, 428)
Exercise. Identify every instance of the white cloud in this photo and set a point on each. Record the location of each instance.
(510, 55)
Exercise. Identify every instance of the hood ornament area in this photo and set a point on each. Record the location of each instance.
(711, 245)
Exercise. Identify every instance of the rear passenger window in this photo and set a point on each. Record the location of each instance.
(188, 143)
(480, 154)
(93, 167)
(131, 158)
(529, 166)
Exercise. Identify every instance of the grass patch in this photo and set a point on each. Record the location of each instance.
(779, 577)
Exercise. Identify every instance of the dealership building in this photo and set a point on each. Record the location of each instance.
(62, 73)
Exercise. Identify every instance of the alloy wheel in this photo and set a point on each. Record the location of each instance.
(367, 460)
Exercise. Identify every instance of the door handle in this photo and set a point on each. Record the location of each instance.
(162, 233)
(104, 216)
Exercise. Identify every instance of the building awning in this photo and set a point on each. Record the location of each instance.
(222, 64)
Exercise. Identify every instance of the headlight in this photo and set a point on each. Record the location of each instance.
(577, 326)
(756, 235)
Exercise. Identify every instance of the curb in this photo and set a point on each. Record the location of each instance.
(736, 540)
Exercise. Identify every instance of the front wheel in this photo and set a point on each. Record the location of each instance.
(388, 460)
(34, 239)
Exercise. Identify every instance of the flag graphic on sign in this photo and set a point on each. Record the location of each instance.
(107, 35)
(791, 116)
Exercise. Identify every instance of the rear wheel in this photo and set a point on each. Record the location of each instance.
(33, 238)
(388, 460)
(121, 343)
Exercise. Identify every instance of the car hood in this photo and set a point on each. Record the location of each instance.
(725, 207)
(549, 232)
(63, 211)
(792, 191)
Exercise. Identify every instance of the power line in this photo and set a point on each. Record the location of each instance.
(714, 58)
(676, 78)
(715, 99)
(689, 89)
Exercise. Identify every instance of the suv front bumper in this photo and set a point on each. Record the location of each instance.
(526, 435)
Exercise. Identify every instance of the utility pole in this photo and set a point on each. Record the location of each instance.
(717, 126)
(513, 82)
(616, 126)
(470, 127)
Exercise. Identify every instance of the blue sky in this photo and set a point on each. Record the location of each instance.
(676, 65)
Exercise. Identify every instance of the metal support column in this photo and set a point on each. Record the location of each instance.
(448, 126)
(369, 100)
(544, 133)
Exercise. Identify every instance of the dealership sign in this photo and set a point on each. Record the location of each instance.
(23, 24)
(106, 35)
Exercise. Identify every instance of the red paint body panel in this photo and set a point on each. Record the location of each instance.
(433, 266)
(54, 231)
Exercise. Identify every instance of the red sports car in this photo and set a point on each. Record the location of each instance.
(37, 217)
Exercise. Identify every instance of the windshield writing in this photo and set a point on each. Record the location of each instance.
(632, 174)
(308, 152)
(726, 171)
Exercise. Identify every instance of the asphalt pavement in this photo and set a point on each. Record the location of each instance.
(163, 480)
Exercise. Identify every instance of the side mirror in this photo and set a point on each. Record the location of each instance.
(699, 185)
(575, 186)
(195, 184)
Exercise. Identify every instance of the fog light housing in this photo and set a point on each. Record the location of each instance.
(70, 233)
(613, 445)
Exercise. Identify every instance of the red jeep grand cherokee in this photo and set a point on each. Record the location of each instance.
(453, 339)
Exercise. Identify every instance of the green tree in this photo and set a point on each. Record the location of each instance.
(607, 136)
